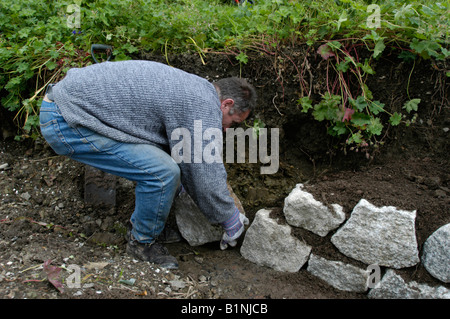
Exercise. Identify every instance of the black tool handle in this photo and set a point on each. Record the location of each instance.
(101, 47)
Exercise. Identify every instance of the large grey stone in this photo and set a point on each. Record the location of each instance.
(436, 254)
(384, 236)
(338, 274)
(302, 210)
(192, 223)
(267, 243)
(392, 286)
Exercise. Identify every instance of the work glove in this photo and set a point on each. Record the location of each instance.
(233, 229)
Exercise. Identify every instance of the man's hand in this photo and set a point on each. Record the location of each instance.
(234, 228)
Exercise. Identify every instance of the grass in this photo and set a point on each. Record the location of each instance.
(41, 40)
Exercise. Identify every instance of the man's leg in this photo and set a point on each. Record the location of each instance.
(156, 174)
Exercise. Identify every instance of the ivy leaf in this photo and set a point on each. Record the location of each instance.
(242, 57)
(379, 48)
(395, 119)
(22, 67)
(425, 48)
(327, 108)
(305, 102)
(344, 65)
(13, 83)
(366, 67)
(367, 92)
(375, 127)
(32, 121)
(360, 103)
(412, 105)
(24, 32)
(323, 112)
(130, 48)
(51, 65)
(11, 102)
(337, 129)
(445, 52)
(325, 51)
(360, 119)
(355, 138)
(376, 107)
(334, 45)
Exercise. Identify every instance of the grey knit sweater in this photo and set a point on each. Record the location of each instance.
(143, 102)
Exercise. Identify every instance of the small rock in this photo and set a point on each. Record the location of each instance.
(95, 265)
(302, 210)
(384, 236)
(339, 275)
(392, 286)
(88, 285)
(436, 254)
(267, 243)
(177, 284)
(129, 282)
(26, 196)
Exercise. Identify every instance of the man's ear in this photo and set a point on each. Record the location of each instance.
(227, 104)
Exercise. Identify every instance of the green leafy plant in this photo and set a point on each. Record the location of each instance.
(348, 106)
(257, 126)
(38, 45)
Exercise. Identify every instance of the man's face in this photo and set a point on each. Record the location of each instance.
(228, 119)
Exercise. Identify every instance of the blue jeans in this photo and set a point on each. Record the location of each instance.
(156, 174)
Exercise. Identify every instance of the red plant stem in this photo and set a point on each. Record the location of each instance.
(33, 280)
(298, 71)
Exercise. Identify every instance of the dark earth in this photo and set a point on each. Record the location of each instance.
(44, 218)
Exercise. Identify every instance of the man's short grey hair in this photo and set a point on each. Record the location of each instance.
(243, 93)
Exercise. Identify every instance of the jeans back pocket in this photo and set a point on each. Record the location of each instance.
(51, 131)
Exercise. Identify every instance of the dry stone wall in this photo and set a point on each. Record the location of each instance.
(382, 238)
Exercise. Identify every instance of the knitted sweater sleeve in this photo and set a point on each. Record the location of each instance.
(206, 184)
(203, 174)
